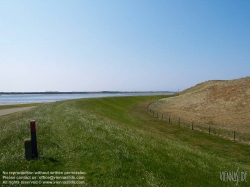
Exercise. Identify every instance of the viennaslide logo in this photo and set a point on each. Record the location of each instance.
(234, 176)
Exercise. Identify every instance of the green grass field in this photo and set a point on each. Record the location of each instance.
(117, 142)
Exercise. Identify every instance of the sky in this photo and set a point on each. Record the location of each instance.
(121, 45)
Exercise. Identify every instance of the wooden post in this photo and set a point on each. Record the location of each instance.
(28, 149)
(33, 138)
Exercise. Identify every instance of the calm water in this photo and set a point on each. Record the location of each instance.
(40, 98)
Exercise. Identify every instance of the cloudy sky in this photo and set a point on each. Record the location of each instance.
(121, 45)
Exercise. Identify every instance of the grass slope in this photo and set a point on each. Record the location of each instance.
(201, 86)
(224, 105)
(118, 143)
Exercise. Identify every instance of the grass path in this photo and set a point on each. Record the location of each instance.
(3, 107)
(12, 110)
(118, 143)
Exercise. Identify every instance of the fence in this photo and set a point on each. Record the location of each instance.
(210, 129)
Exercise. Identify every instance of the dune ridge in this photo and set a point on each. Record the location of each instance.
(221, 103)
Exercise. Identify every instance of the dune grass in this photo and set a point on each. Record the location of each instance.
(118, 143)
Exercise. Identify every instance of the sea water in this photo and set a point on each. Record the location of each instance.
(8, 99)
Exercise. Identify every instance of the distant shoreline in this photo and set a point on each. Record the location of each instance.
(101, 92)
(8, 98)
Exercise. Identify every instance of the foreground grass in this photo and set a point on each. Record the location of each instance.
(118, 143)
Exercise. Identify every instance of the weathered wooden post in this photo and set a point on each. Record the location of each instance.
(30, 144)
(33, 138)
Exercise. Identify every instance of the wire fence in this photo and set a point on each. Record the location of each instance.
(210, 129)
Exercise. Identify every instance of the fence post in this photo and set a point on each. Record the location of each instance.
(33, 138)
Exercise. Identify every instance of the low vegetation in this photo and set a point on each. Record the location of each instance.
(118, 143)
(224, 105)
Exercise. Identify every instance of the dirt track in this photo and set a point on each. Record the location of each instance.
(12, 110)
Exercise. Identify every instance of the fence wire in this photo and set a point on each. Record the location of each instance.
(210, 129)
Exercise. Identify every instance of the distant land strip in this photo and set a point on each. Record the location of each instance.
(101, 92)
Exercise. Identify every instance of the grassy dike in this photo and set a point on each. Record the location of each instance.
(118, 143)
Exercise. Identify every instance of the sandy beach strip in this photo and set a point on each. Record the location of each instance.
(12, 110)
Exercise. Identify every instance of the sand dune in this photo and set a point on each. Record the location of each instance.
(224, 104)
